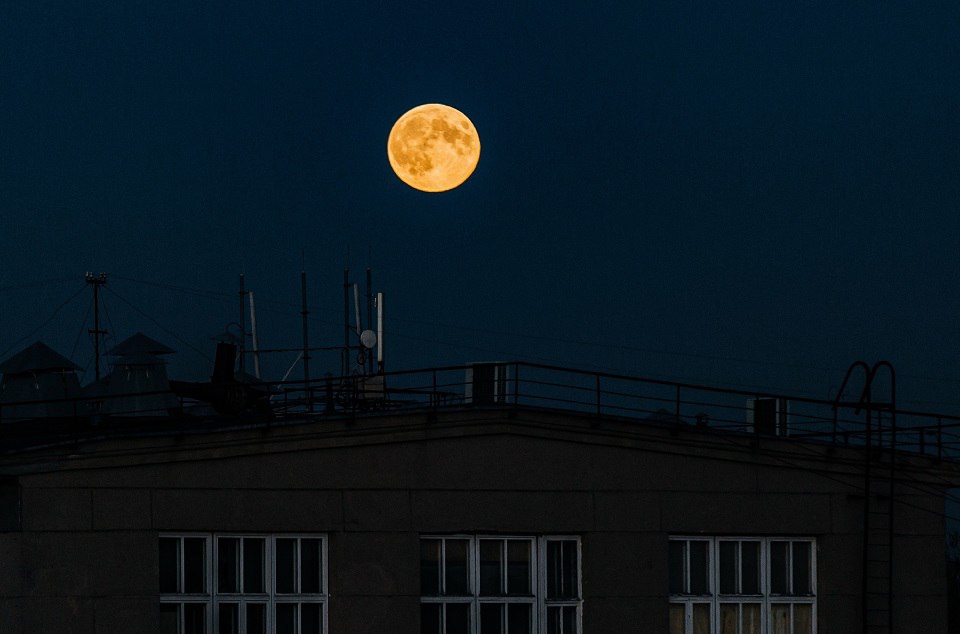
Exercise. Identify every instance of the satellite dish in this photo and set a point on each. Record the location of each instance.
(368, 339)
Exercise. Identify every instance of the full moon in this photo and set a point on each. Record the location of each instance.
(433, 148)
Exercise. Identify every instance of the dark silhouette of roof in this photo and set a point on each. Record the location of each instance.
(37, 356)
(139, 344)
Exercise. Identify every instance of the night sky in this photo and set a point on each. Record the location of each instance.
(732, 193)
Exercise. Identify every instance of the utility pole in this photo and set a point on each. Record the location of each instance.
(96, 281)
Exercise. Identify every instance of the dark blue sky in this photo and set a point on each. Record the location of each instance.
(735, 193)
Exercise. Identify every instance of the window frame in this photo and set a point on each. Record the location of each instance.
(766, 599)
(212, 598)
(537, 599)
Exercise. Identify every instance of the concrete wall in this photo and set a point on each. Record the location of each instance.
(85, 557)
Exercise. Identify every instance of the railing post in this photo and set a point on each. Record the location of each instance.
(939, 438)
(598, 394)
(328, 395)
(516, 383)
(678, 405)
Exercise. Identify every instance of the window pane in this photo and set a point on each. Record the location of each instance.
(228, 560)
(562, 569)
(699, 566)
(256, 618)
(750, 567)
(801, 567)
(430, 567)
(169, 618)
(729, 615)
(676, 567)
(554, 567)
(457, 581)
(569, 619)
(458, 618)
(286, 568)
(678, 617)
(310, 618)
(310, 566)
(802, 618)
(169, 565)
(229, 616)
(571, 569)
(253, 553)
(518, 567)
(780, 618)
(519, 616)
(286, 618)
(750, 618)
(554, 618)
(728, 568)
(491, 557)
(491, 618)
(194, 568)
(701, 618)
(194, 618)
(778, 567)
(430, 618)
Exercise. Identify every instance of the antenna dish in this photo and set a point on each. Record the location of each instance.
(368, 339)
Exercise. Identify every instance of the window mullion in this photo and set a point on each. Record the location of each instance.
(443, 578)
(474, 560)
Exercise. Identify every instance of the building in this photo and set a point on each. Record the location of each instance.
(505, 498)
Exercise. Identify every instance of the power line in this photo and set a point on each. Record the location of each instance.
(160, 326)
(44, 324)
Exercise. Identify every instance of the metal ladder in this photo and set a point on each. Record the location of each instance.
(879, 489)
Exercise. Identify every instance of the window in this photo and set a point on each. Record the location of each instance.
(742, 585)
(243, 584)
(500, 585)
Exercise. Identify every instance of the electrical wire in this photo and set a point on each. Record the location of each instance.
(44, 324)
(36, 284)
(202, 354)
(294, 311)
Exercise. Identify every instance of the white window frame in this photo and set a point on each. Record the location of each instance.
(212, 598)
(538, 580)
(766, 599)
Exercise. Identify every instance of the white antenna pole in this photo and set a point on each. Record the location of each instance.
(253, 332)
(380, 332)
(356, 306)
(292, 366)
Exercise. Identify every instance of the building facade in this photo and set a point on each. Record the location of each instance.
(477, 518)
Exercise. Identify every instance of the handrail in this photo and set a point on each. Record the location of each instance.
(601, 394)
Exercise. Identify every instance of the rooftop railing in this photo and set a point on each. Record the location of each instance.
(527, 385)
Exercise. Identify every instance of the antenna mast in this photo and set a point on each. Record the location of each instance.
(96, 282)
(243, 317)
(369, 315)
(306, 346)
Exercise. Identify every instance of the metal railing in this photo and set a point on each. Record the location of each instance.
(531, 385)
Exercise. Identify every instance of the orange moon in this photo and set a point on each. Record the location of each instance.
(433, 148)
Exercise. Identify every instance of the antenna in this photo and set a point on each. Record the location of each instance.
(368, 339)
(96, 282)
(253, 332)
(243, 317)
(305, 355)
(356, 307)
(346, 322)
(380, 333)
(369, 307)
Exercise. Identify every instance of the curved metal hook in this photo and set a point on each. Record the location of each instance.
(868, 378)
